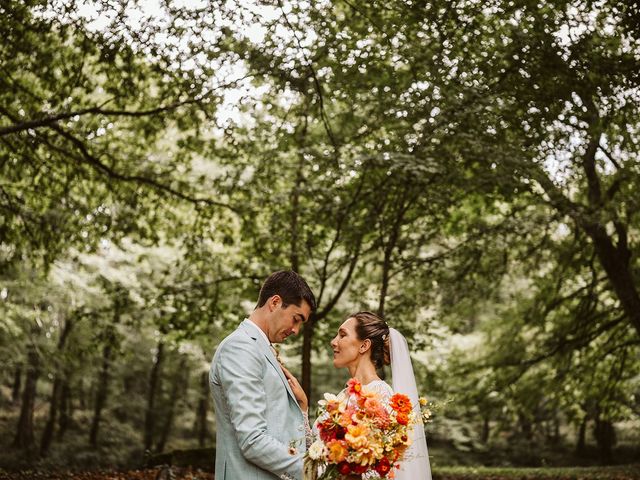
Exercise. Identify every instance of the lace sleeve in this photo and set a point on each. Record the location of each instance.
(382, 388)
(308, 433)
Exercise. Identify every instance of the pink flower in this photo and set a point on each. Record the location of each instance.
(354, 387)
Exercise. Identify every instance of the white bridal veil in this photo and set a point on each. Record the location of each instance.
(416, 466)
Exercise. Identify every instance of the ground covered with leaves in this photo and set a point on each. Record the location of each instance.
(626, 472)
(147, 474)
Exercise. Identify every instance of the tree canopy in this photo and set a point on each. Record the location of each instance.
(467, 170)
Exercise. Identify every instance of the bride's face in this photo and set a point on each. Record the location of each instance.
(346, 344)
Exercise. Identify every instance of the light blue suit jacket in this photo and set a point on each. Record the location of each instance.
(257, 415)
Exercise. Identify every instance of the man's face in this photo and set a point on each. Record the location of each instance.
(286, 321)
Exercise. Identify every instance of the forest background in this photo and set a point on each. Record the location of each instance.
(468, 169)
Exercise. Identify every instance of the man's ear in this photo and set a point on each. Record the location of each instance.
(274, 302)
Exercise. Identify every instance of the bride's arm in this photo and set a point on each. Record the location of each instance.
(297, 390)
(383, 389)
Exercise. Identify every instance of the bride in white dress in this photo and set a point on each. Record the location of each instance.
(363, 345)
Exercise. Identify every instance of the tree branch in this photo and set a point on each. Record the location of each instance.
(589, 166)
(139, 179)
(316, 82)
(98, 110)
(608, 155)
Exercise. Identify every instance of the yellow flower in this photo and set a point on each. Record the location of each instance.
(402, 438)
(367, 455)
(337, 451)
(423, 401)
(357, 436)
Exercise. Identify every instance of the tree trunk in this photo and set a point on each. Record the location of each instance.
(154, 381)
(178, 385)
(615, 258)
(294, 199)
(616, 263)
(486, 428)
(306, 354)
(201, 415)
(103, 385)
(556, 429)
(526, 427)
(606, 438)
(581, 445)
(389, 247)
(110, 339)
(65, 409)
(47, 434)
(384, 286)
(17, 384)
(318, 315)
(24, 434)
(294, 257)
(60, 375)
(82, 394)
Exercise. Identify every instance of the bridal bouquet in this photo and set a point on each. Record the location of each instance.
(358, 433)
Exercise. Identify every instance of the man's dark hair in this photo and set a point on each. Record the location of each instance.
(290, 286)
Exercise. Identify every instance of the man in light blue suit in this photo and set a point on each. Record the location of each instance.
(257, 415)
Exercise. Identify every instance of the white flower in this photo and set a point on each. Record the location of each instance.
(331, 398)
(317, 450)
(328, 397)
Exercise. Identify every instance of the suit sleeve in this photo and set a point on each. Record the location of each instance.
(241, 377)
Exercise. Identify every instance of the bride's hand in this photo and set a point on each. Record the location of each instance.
(297, 390)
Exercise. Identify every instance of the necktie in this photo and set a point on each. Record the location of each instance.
(276, 352)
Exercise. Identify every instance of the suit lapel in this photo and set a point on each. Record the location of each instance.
(268, 353)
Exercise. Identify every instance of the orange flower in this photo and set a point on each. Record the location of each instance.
(400, 403)
(366, 394)
(400, 450)
(366, 434)
(382, 420)
(372, 405)
(345, 419)
(376, 411)
(333, 406)
(337, 451)
(403, 418)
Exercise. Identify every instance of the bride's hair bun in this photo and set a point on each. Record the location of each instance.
(387, 350)
(371, 326)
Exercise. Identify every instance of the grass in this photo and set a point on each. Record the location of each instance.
(620, 472)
